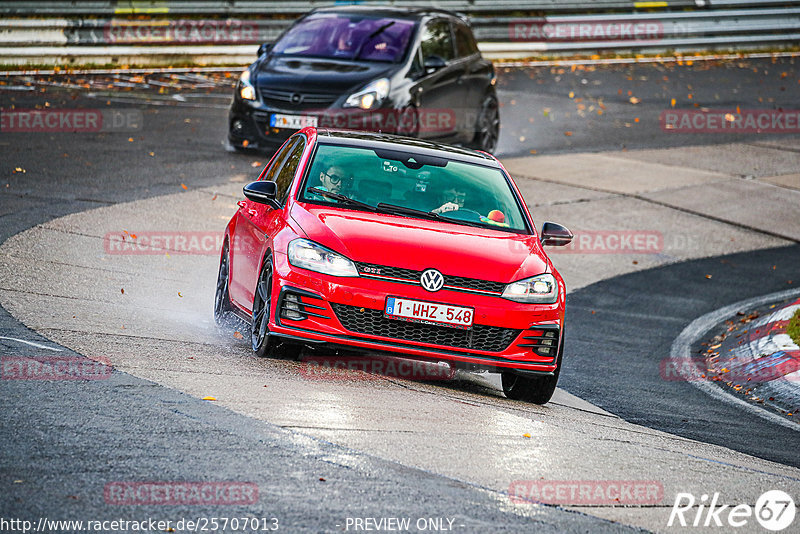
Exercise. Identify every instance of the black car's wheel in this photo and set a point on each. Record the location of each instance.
(222, 301)
(408, 122)
(262, 342)
(487, 129)
(535, 389)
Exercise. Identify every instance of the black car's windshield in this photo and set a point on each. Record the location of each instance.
(348, 36)
(413, 185)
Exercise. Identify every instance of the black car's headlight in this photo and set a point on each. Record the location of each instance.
(246, 89)
(309, 255)
(541, 289)
(370, 96)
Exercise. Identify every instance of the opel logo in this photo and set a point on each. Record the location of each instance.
(432, 280)
(296, 98)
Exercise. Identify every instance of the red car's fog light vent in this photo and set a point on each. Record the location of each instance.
(295, 306)
(373, 322)
(542, 340)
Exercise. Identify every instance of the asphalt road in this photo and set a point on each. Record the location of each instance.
(622, 330)
(130, 428)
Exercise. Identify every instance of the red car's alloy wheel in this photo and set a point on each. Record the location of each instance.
(262, 342)
(222, 301)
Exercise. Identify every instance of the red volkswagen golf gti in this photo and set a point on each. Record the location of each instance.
(378, 243)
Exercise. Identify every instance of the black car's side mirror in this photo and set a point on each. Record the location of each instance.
(263, 192)
(433, 63)
(263, 49)
(555, 235)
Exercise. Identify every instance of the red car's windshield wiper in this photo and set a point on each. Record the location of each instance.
(402, 210)
(341, 198)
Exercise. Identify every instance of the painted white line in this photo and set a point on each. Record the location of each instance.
(531, 63)
(646, 59)
(681, 355)
(31, 343)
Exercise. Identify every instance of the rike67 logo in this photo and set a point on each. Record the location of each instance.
(774, 510)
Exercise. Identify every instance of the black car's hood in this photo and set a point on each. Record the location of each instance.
(318, 74)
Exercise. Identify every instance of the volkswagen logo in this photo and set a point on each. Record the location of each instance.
(296, 98)
(432, 280)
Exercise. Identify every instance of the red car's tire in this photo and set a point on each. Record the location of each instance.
(222, 300)
(535, 389)
(262, 342)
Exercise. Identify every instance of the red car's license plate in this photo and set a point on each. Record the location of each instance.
(428, 312)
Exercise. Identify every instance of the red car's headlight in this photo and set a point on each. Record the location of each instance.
(309, 255)
(541, 289)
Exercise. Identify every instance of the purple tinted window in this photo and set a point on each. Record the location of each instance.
(348, 37)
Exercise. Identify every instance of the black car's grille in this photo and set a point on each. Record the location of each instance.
(411, 276)
(297, 100)
(372, 322)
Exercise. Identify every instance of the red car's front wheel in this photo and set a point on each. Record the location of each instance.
(262, 342)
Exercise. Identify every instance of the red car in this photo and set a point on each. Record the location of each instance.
(379, 243)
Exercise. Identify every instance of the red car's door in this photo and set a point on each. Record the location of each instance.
(248, 240)
(257, 223)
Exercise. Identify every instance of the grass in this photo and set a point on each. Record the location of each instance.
(793, 328)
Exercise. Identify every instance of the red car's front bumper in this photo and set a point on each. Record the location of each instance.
(349, 312)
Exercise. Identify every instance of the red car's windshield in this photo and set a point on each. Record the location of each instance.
(353, 37)
(453, 190)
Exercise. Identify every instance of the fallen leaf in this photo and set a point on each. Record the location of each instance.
(184, 186)
(130, 139)
(214, 197)
(238, 335)
(636, 119)
(571, 94)
(179, 294)
(255, 164)
(568, 134)
(321, 479)
(533, 151)
(730, 117)
(634, 100)
(672, 103)
(209, 398)
(245, 143)
(708, 276)
(526, 435)
(122, 291)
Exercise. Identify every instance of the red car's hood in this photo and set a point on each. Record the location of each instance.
(417, 244)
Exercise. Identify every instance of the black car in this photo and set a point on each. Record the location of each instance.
(413, 72)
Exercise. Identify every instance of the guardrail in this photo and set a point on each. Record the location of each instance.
(204, 32)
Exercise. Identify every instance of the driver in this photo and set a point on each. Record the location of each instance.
(451, 199)
(332, 179)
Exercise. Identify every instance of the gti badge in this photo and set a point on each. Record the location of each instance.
(432, 280)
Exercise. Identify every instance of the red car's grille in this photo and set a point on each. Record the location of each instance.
(372, 322)
(409, 276)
